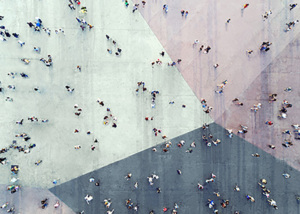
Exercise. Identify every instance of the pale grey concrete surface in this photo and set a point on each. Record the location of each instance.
(27, 200)
(103, 76)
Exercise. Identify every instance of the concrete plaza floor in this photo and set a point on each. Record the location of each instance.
(142, 35)
(231, 161)
(251, 78)
(107, 77)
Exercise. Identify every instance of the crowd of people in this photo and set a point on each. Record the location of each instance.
(109, 119)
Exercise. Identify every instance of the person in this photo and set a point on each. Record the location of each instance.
(44, 203)
(217, 194)
(56, 205)
(165, 8)
(128, 176)
(271, 146)
(186, 13)
(245, 6)
(7, 33)
(15, 35)
(206, 50)
(30, 24)
(250, 198)
(265, 46)
(24, 75)
(3, 161)
(36, 89)
(292, 6)
(210, 203)
(69, 89)
(27, 61)
(134, 8)
(21, 43)
(38, 162)
(286, 175)
(12, 209)
(83, 10)
(71, 6)
(237, 188)
(4, 205)
(273, 203)
(88, 198)
(288, 89)
(107, 203)
(269, 123)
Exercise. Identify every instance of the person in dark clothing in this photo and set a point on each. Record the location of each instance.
(15, 35)
(30, 24)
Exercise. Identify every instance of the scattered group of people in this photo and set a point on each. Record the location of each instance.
(48, 62)
(83, 24)
(265, 46)
(117, 50)
(110, 119)
(221, 87)
(4, 35)
(206, 108)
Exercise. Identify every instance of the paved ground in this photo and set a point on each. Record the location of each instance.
(110, 78)
(251, 78)
(27, 200)
(142, 36)
(231, 161)
(281, 73)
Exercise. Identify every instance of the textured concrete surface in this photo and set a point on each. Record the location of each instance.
(283, 72)
(28, 200)
(251, 78)
(231, 161)
(114, 80)
(110, 78)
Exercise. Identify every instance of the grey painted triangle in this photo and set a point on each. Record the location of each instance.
(231, 161)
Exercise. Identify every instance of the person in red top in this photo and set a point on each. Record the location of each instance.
(269, 123)
(246, 5)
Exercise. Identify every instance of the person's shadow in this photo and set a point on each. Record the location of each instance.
(242, 12)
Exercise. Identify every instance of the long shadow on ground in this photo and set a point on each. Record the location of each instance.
(231, 161)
